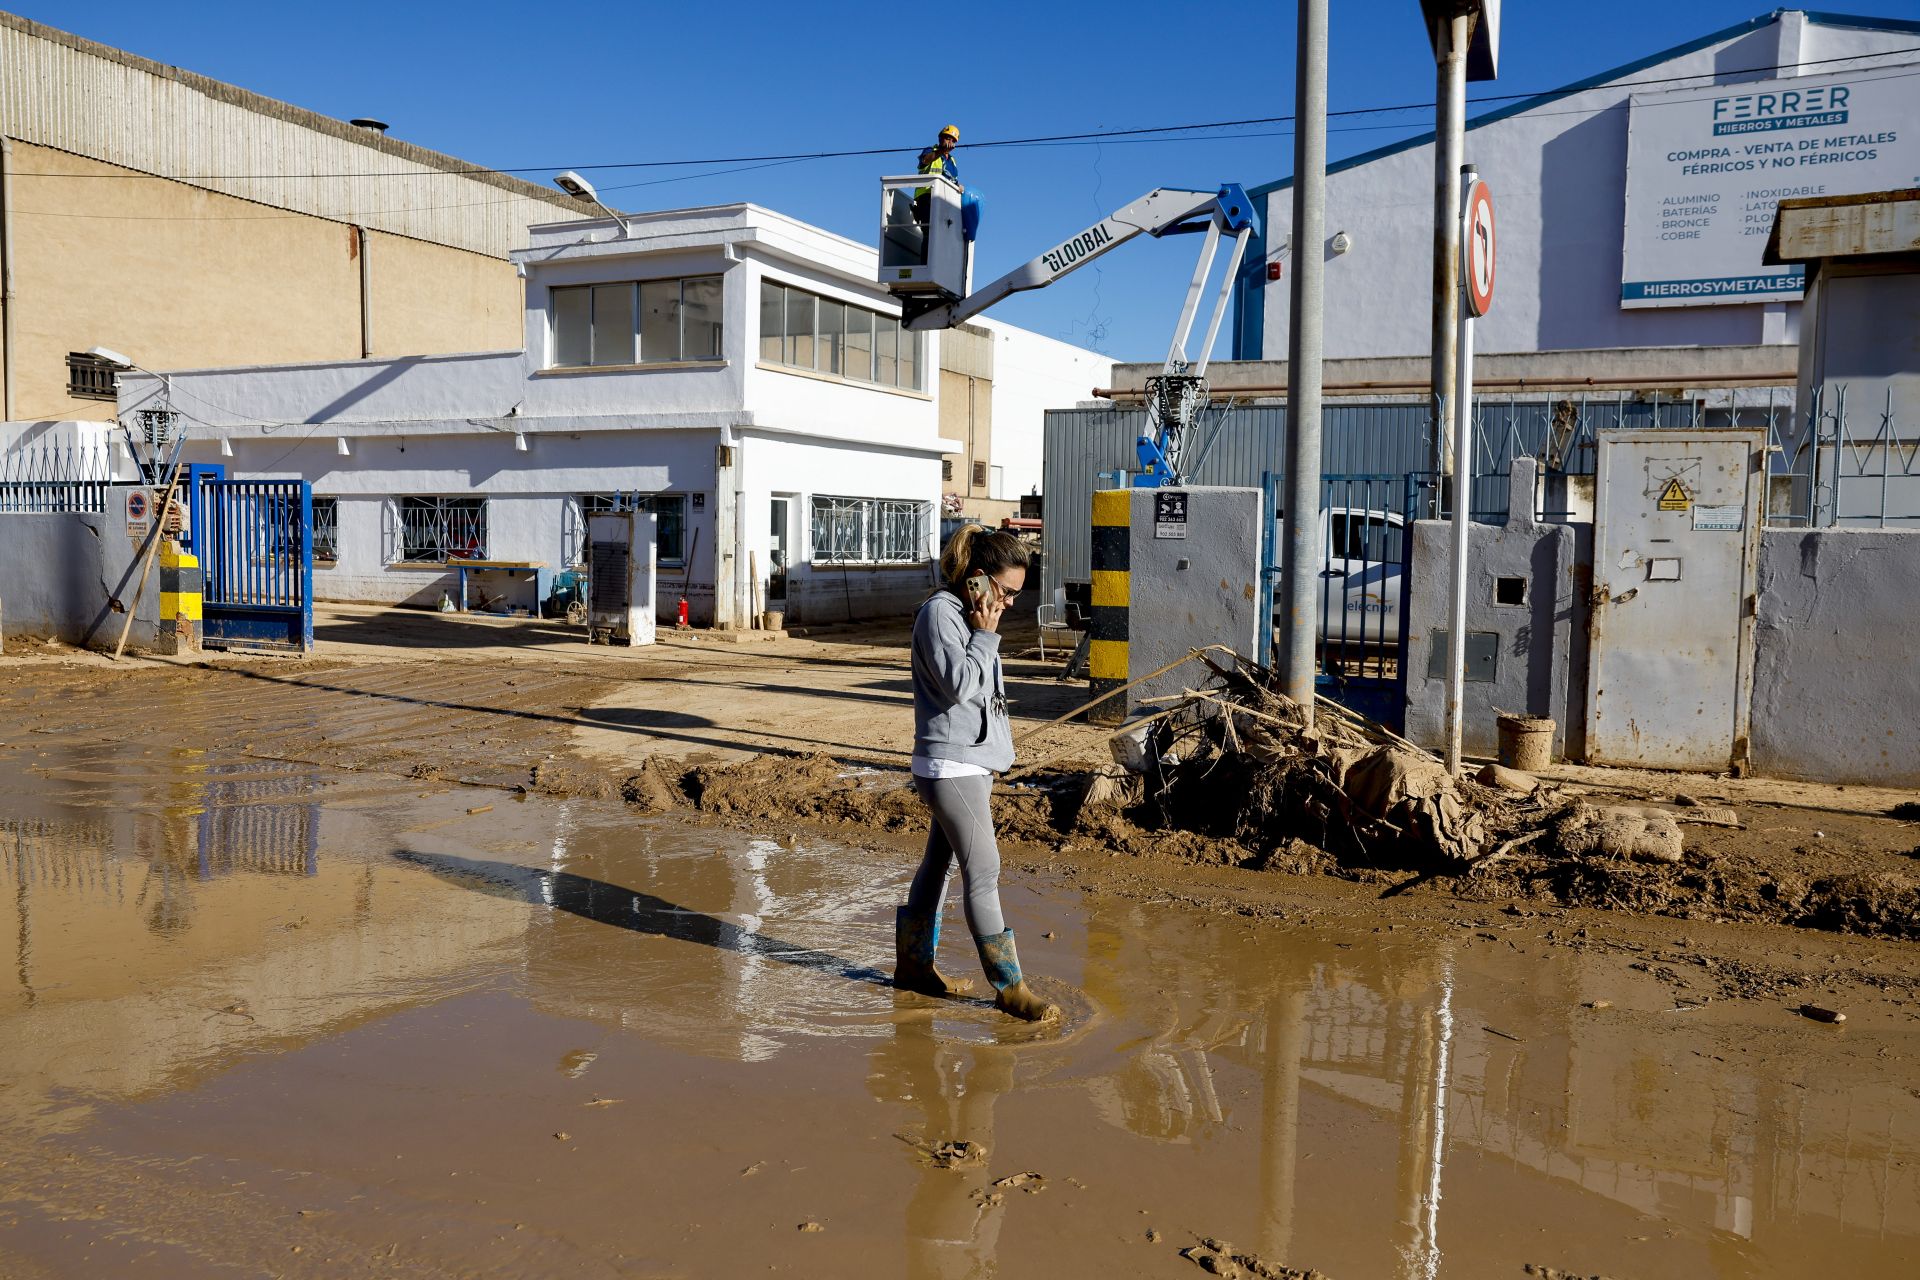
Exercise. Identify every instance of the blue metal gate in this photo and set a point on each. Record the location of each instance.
(254, 540)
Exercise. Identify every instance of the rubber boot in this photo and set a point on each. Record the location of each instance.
(915, 940)
(1011, 993)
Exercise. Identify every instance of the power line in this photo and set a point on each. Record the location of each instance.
(1039, 140)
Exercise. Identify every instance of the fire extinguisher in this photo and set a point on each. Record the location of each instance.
(682, 621)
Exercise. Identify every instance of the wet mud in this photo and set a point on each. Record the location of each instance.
(285, 998)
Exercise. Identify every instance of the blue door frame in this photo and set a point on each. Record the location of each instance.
(254, 540)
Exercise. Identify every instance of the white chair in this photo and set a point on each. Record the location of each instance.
(1053, 617)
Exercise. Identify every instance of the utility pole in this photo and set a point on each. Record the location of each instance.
(1299, 576)
(1452, 32)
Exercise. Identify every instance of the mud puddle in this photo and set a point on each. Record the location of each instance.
(274, 1019)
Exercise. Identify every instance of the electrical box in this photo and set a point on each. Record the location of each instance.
(622, 565)
(923, 243)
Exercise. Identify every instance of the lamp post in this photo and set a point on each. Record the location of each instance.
(580, 189)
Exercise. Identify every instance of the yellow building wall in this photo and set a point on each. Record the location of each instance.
(176, 277)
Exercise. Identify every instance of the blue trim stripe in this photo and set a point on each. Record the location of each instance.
(1715, 286)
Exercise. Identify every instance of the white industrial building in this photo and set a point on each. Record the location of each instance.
(737, 371)
(1599, 252)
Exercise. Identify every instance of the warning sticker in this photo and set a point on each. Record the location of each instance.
(1728, 519)
(1675, 497)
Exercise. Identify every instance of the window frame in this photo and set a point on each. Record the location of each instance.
(326, 550)
(587, 504)
(877, 524)
(873, 323)
(443, 504)
(640, 357)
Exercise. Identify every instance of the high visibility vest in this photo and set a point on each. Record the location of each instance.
(931, 161)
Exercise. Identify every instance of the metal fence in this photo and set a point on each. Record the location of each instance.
(47, 479)
(1848, 460)
(1240, 444)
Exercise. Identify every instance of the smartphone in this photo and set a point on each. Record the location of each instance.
(979, 589)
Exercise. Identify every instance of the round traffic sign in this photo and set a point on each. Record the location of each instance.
(1477, 256)
(137, 505)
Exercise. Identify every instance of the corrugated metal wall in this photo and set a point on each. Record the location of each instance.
(60, 91)
(1237, 446)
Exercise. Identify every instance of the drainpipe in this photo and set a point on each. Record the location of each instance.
(7, 379)
(366, 297)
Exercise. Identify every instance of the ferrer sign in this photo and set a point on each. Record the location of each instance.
(1707, 167)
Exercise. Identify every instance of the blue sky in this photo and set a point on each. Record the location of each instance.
(567, 85)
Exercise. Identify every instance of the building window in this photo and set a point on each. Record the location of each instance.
(946, 470)
(637, 322)
(435, 530)
(979, 475)
(326, 529)
(870, 530)
(90, 377)
(671, 508)
(801, 330)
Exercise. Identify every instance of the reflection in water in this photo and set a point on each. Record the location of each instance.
(953, 1215)
(1330, 1097)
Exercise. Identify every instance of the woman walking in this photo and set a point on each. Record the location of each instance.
(960, 740)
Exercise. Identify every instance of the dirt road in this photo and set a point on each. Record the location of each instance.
(398, 963)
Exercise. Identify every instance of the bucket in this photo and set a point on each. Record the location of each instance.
(1526, 742)
(773, 620)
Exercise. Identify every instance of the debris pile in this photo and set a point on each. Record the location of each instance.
(1234, 760)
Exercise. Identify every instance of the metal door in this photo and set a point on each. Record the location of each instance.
(1675, 535)
(254, 539)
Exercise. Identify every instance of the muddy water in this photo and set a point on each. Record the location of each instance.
(263, 1019)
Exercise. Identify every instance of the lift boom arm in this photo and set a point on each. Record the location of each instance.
(1163, 212)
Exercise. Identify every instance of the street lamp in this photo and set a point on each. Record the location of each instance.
(151, 465)
(580, 189)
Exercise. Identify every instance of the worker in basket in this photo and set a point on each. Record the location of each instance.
(939, 158)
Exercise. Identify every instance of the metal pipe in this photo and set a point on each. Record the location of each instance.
(1462, 515)
(1370, 387)
(7, 302)
(1300, 568)
(366, 298)
(1449, 147)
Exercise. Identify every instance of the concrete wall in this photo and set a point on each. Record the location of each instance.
(176, 276)
(1835, 687)
(1185, 593)
(1558, 174)
(60, 573)
(1540, 667)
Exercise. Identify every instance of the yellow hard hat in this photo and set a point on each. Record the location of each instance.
(953, 129)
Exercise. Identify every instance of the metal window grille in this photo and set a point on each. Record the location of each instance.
(979, 475)
(671, 508)
(946, 470)
(433, 530)
(90, 377)
(326, 528)
(870, 530)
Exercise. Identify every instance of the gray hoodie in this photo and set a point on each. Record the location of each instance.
(959, 695)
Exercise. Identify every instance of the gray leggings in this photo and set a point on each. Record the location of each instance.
(962, 824)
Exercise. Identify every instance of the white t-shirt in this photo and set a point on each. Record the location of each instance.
(933, 767)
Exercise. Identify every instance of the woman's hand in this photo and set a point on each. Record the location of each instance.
(986, 611)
